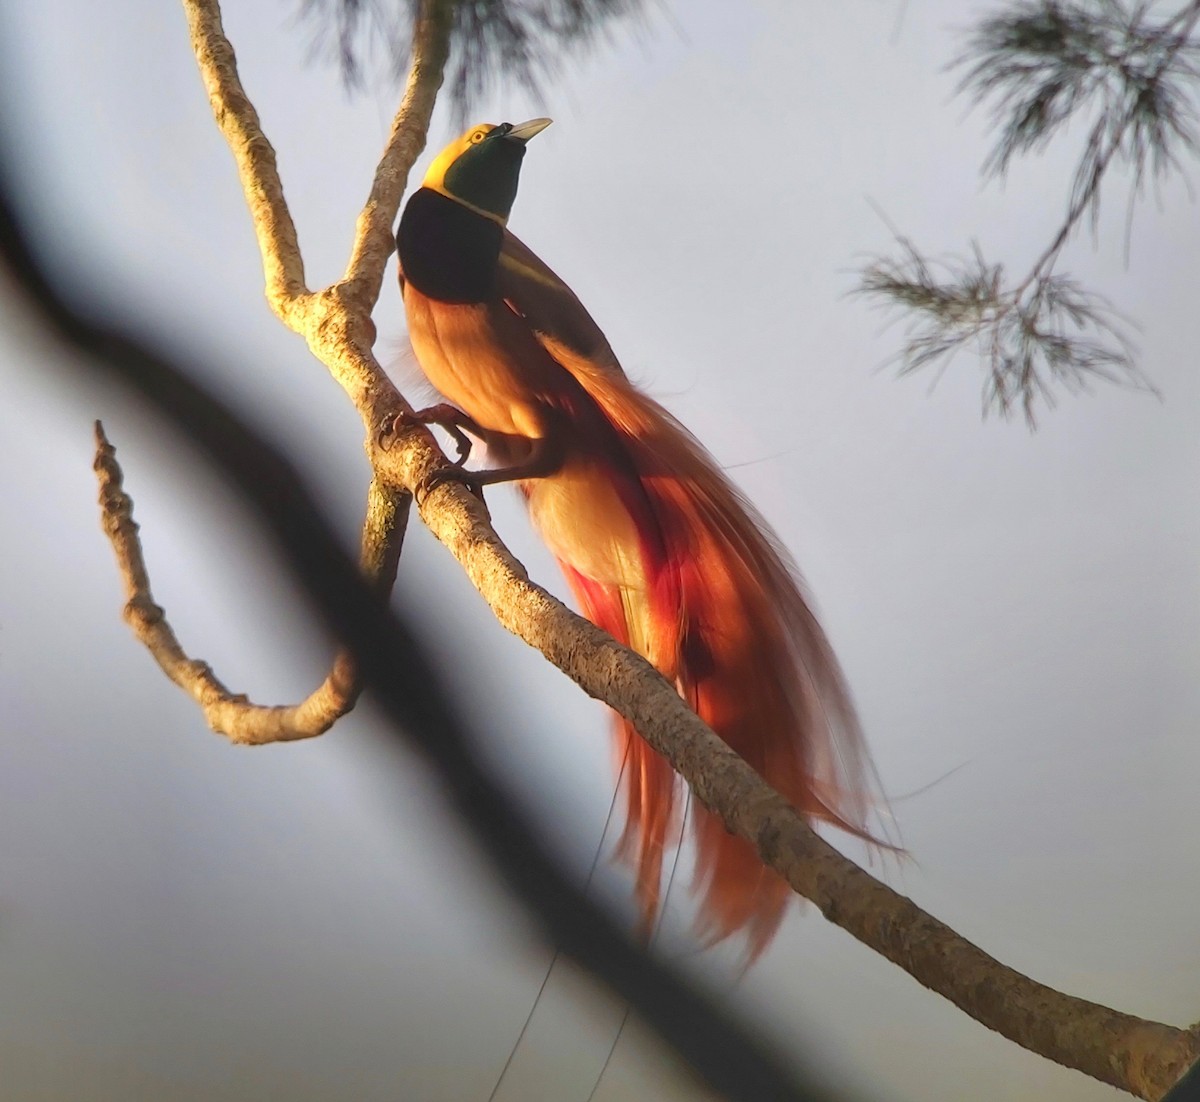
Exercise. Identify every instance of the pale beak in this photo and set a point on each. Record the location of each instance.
(526, 130)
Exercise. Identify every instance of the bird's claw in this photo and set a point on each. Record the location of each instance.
(445, 416)
(462, 443)
(439, 477)
(391, 429)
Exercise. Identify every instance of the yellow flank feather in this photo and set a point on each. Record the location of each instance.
(526, 271)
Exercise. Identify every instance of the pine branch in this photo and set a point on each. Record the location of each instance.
(1044, 62)
(1041, 63)
(1038, 336)
(524, 41)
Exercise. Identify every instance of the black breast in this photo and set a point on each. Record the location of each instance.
(446, 250)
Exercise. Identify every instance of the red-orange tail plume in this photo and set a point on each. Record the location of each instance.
(663, 552)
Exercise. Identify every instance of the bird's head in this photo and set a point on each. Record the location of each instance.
(480, 169)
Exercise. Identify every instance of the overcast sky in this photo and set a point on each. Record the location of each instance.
(1017, 614)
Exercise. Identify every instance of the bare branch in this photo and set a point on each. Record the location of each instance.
(335, 322)
(239, 123)
(374, 239)
(232, 714)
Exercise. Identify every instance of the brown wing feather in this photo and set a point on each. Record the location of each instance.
(535, 292)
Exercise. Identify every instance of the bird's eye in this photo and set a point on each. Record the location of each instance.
(478, 136)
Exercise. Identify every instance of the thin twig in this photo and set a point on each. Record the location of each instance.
(232, 714)
(374, 240)
(238, 121)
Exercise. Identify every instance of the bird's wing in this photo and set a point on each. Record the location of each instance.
(550, 307)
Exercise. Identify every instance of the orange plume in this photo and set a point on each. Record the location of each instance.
(703, 590)
(658, 546)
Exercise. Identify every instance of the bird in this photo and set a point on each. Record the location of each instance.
(658, 546)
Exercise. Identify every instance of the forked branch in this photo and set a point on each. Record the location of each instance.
(338, 326)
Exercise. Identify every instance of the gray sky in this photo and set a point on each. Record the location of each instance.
(180, 919)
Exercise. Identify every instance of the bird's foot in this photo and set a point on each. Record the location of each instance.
(442, 475)
(445, 416)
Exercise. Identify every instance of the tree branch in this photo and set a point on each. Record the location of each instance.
(374, 239)
(238, 121)
(336, 321)
(232, 714)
